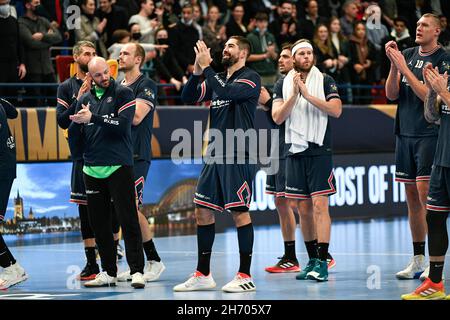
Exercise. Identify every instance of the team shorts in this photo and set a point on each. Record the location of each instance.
(225, 187)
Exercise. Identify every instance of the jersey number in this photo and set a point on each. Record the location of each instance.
(419, 64)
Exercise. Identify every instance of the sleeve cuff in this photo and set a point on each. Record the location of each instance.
(96, 119)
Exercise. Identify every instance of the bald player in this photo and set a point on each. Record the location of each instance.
(415, 137)
(101, 130)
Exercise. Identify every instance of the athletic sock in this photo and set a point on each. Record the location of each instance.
(419, 248)
(436, 269)
(322, 249)
(205, 241)
(311, 248)
(150, 251)
(116, 243)
(90, 255)
(289, 250)
(245, 239)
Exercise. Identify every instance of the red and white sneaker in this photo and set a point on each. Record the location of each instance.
(428, 290)
(285, 265)
(197, 281)
(331, 262)
(241, 283)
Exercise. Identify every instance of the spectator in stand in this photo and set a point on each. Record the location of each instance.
(264, 51)
(182, 39)
(119, 38)
(198, 19)
(92, 29)
(198, 15)
(350, 12)
(401, 36)
(171, 10)
(167, 67)
(236, 25)
(215, 37)
(38, 35)
(53, 10)
(389, 9)
(147, 22)
(341, 44)
(285, 27)
(363, 60)
(131, 7)
(376, 32)
(311, 20)
(325, 52)
(444, 37)
(12, 57)
(407, 9)
(253, 7)
(116, 17)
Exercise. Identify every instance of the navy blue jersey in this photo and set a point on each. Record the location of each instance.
(66, 103)
(233, 106)
(281, 146)
(106, 140)
(331, 92)
(442, 155)
(410, 120)
(7, 143)
(144, 89)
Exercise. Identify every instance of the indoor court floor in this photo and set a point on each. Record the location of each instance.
(368, 253)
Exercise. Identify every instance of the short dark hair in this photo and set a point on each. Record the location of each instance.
(143, 2)
(286, 1)
(243, 44)
(400, 19)
(187, 6)
(262, 16)
(119, 34)
(286, 46)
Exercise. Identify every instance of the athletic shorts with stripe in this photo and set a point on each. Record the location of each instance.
(78, 190)
(439, 193)
(5, 190)
(414, 158)
(309, 176)
(225, 187)
(140, 168)
(276, 183)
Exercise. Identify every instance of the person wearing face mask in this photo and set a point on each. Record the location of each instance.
(182, 39)
(264, 50)
(284, 28)
(12, 57)
(37, 36)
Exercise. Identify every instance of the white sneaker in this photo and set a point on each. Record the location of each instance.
(240, 283)
(197, 281)
(416, 266)
(153, 270)
(124, 276)
(101, 280)
(137, 280)
(426, 274)
(12, 275)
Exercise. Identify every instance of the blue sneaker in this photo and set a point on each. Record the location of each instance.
(309, 267)
(319, 272)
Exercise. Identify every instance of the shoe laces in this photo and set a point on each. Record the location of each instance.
(194, 278)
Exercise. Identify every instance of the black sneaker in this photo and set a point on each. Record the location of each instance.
(89, 272)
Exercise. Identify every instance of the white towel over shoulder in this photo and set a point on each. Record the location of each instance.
(306, 123)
